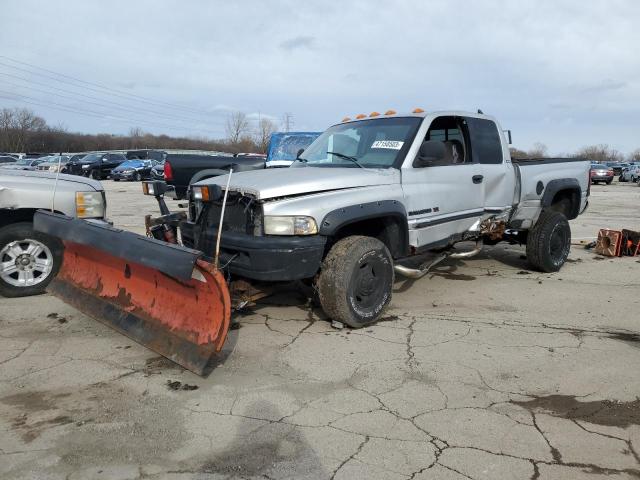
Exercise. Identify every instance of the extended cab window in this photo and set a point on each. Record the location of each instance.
(485, 141)
(375, 143)
(452, 132)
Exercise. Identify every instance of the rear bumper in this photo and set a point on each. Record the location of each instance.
(268, 258)
(601, 178)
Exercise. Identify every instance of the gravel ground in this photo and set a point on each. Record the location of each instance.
(481, 370)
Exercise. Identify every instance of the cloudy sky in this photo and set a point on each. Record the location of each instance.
(564, 73)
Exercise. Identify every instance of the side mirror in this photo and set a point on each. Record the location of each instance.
(300, 152)
(431, 152)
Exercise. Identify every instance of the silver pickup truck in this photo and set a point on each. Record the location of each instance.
(30, 259)
(370, 195)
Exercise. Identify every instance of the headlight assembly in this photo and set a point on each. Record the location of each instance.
(89, 205)
(280, 225)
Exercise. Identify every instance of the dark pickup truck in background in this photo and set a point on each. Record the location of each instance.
(96, 165)
(181, 170)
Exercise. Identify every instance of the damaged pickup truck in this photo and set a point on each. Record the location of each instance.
(365, 201)
(371, 193)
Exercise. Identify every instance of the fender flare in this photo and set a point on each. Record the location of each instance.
(558, 185)
(342, 217)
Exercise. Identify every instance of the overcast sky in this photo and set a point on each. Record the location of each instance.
(564, 73)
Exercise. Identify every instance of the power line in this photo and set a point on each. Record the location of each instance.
(102, 101)
(91, 113)
(104, 87)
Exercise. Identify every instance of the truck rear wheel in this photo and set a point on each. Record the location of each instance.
(549, 242)
(356, 280)
(28, 260)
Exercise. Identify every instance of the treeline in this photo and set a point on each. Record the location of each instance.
(21, 130)
(596, 153)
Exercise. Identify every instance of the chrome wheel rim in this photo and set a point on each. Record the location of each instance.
(24, 263)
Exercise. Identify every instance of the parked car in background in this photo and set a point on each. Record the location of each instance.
(284, 147)
(52, 163)
(617, 167)
(600, 172)
(23, 164)
(30, 259)
(630, 174)
(137, 170)
(7, 159)
(157, 171)
(96, 165)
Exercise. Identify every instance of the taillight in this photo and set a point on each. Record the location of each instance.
(610, 171)
(168, 172)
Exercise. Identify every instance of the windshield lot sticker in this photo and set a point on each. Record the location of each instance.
(391, 144)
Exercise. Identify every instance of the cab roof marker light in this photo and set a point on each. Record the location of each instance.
(361, 115)
(374, 114)
(418, 110)
(390, 112)
(345, 119)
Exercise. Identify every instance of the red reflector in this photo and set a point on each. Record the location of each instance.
(168, 172)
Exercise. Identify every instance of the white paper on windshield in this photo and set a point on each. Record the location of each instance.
(390, 144)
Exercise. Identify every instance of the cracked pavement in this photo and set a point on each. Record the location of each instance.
(476, 371)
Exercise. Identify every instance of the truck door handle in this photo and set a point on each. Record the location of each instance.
(477, 178)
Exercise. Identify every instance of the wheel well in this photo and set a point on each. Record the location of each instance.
(390, 230)
(9, 216)
(566, 202)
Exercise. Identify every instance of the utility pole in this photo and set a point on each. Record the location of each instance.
(287, 121)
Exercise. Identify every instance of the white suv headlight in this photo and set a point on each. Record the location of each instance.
(89, 205)
(276, 225)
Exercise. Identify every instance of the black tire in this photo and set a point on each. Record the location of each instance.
(94, 174)
(609, 181)
(116, 179)
(24, 231)
(356, 281)
(549, 242)
(138, 177)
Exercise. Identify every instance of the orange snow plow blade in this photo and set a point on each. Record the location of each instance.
(142, 295)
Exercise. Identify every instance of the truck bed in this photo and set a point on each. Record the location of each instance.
(185, 166)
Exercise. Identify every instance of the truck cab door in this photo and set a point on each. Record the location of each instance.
(491, 152)
(443, 199)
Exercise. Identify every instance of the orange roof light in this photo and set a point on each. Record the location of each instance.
(374, 114)
(390, 112)
(345, 119)
(417, 110)
(361, 115)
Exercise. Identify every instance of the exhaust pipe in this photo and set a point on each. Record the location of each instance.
(416, 273)
(470, 253)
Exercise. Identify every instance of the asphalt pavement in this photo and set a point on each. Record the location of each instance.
(483, 369)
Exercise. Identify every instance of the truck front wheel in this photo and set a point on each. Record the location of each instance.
(549, 242)
(28, 260)
(356, 280)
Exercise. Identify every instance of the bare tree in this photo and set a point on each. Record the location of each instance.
(136, 134)
(634, 156)
(237, 127)
(17, 126)
(263, 134)
(539, 150)
(517, 153)
(599, 153)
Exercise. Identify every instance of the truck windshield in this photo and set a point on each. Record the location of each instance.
(374, 143)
